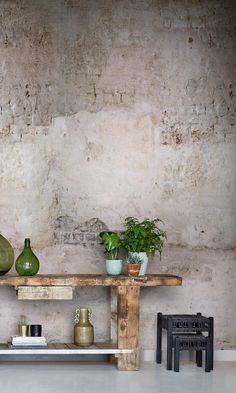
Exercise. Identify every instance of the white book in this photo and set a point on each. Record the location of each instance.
(11, 346)
(28, 341)
(29, 345)
(25, 338)
(21, 340)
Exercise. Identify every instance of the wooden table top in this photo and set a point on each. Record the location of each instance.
(74, 280)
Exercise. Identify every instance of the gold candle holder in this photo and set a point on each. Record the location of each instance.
(23, 330)
(23, 327)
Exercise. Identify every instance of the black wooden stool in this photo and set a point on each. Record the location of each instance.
(192, 325)
(192, 342)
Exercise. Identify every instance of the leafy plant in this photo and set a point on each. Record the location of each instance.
(144, 236)
(112, 243)
(134, 259)
(22, 320)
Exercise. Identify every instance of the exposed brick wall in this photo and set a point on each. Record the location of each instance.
(67, 231)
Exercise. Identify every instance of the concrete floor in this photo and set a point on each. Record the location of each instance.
(103, 377)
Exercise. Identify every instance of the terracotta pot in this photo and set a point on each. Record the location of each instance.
(144, 257)
(133, 269)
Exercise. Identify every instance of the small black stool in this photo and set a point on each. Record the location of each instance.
(189, 342)
(192, 327)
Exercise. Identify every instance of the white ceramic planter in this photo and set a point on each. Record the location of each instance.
(114, 266)
(144, 258)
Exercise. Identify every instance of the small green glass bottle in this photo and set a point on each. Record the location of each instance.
(27, 264)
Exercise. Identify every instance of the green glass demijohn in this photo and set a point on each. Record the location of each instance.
(6, 256)
(27, 264)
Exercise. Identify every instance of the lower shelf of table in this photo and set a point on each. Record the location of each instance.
(66, 349)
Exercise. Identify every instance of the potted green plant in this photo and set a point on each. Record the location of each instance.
(133, 263)
(112, 244)
(143, 238)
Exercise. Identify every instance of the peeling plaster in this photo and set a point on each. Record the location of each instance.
(112, 109)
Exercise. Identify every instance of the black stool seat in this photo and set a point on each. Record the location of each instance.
(191, 342)
(186, 322)
(185, 332)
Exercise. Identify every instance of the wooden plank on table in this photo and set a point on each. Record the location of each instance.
(57, 346)
(72, 346)
(45, 293)
(106, 345)
(60, 346)
(128, 327)
(73, 280)
(99, 345)
(51, 346)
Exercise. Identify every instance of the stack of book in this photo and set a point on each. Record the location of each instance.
(22, 342)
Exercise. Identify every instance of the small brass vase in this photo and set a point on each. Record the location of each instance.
(83, 330)
(23, 330)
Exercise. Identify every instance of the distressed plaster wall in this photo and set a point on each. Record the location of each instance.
(117, 108)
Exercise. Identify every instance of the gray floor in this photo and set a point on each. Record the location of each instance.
(103, 377)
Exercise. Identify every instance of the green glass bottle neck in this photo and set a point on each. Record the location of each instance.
(27, 243)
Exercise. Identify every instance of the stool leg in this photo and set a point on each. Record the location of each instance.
(208, 357)
(159, 337)
(176, 354)
(199, 353)
(211, 338)
(169, 344)
(199, 358)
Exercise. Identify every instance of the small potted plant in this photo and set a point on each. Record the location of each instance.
(112, 244)
(134, 263)
(143, 238)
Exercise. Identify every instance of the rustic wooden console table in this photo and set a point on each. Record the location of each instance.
(125, 295)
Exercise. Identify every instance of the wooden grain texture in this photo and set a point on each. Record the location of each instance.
(128, 327)
(128, 361)
(113, 309)
(45, 293)
(74, 280)
(58, 346)
(113, 321)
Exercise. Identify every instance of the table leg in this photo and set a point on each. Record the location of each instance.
(113, 322)
(128, 327)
